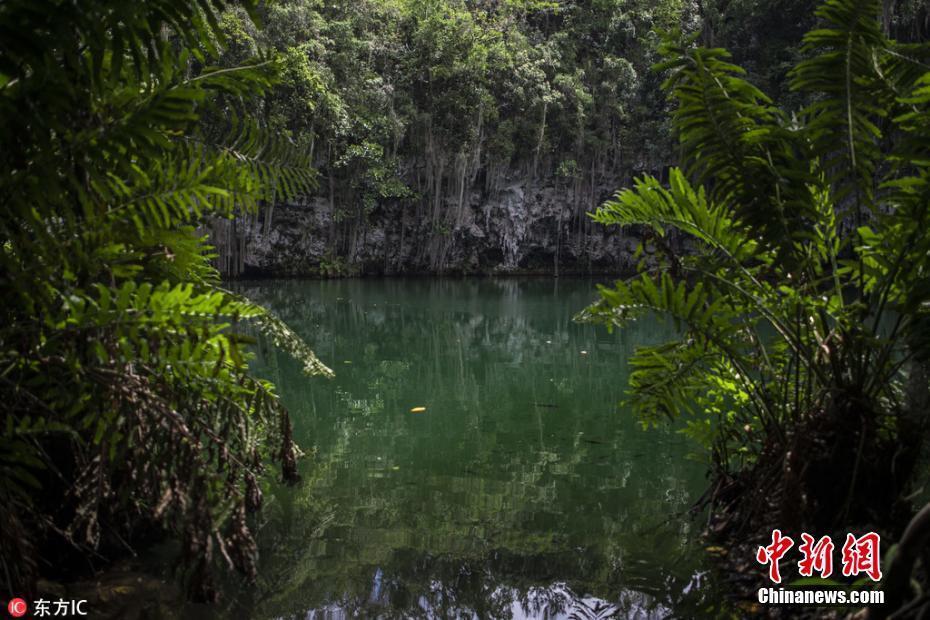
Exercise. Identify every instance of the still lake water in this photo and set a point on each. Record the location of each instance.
(523, 490)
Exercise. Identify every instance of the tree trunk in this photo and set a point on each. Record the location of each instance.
(269, 214)
(398, 261)
(540, 139)
(558, 243)
(332, 209)
(462, 174)
(887, 13)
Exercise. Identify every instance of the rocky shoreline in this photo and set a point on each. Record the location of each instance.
(522, 229)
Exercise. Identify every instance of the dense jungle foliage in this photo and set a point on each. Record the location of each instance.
(128, 407)
(409, 107)
(135, 132)
(805, 296)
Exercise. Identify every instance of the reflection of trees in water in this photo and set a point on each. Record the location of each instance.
(521, 472)
(437, 600)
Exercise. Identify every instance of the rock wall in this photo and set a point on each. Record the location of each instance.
(522, 227)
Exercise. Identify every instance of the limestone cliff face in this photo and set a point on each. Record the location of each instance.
(520, 228)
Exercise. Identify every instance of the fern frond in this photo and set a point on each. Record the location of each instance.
(844, 76)
(282, 336)
(739, 146)
(684, 208)
(667, 380)
(111, 315)
(284, 170)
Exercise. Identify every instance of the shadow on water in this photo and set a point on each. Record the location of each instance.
(522, 490)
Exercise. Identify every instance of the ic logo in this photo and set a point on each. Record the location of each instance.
(17, 607)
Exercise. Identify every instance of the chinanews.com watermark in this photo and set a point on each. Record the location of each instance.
(771, 596)
(860, 556)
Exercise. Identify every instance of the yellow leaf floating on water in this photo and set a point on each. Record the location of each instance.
(418, 410)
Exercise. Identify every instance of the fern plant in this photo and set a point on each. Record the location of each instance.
(128, 407)
(802, 295)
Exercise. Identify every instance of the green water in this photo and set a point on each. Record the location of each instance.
(522, 490)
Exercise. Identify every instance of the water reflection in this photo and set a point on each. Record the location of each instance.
(521, 491)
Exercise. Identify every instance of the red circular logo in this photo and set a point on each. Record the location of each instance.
(17, 608)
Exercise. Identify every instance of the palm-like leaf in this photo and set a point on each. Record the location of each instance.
(843, 74)
(737, 144)
(784, 314)
(114, 332)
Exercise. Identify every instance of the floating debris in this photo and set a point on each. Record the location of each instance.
(418, 410)
(584, 352)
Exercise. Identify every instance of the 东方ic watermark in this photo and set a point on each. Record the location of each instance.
(42, 608)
